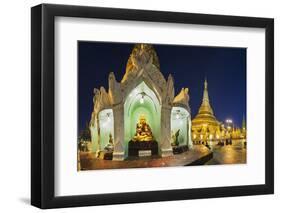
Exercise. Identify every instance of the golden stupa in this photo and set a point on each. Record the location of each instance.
(205, 125)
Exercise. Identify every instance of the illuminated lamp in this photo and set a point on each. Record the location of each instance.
(178, 114)
(142, 98)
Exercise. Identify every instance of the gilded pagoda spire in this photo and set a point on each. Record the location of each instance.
(205, 94)
(243, 122)
(205, 114)
(205, 105)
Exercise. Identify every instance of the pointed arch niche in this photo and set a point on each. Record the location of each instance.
(180, 122)
(106, 121)
(141, 101)
(104, 126)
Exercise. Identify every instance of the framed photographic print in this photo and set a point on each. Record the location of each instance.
(140, 106)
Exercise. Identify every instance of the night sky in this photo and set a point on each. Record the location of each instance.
(225, 69)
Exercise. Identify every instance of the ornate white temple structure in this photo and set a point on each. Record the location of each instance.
(140, 107)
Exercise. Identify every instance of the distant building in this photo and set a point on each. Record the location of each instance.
(205, 127)
(243, 129)
(84, 140)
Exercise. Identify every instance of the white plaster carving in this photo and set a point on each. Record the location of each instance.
(114, 92)
(118, 113)
(142, 66)
(182, 99)
(165, 139)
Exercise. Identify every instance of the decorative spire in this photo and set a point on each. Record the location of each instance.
(141, 55)
(205, 114)
(205, 105)
(243, 123)
(205, 93)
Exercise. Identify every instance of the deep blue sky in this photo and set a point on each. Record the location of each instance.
(225, 69)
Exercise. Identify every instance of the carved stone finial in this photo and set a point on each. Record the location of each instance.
(182, 99)
(170, 90)
(141, 55)
(114, 91)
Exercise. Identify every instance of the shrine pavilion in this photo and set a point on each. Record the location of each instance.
(140, 115)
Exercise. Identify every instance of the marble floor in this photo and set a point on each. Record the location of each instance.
(199, 155)
(229, 154)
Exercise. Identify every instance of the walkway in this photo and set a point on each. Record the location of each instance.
(197, 156)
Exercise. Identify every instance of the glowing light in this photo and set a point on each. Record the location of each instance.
(211, 136)
(104, 124)
(217, 136)
(178, 114)
(142, 100)
(201, 136)
(142, 97)
(108, 117)
(229, 121)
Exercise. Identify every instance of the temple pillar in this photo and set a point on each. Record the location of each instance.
(165, 134)
(98, 139)
(119, 152)
(189, 136)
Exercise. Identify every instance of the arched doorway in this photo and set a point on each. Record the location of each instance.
(180, 126)
(106, 121)
(102, 129)
(141, 101)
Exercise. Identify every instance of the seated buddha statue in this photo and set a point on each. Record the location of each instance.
(109, 147)
(143, 131)
(175, 138)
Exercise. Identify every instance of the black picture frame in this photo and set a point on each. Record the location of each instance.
(43, 102)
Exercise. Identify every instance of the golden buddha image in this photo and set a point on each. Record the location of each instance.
(143, 131)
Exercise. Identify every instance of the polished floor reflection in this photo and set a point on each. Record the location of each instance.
(199, 155)
(229, 154)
